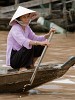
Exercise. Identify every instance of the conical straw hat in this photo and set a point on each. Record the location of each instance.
(19, 12)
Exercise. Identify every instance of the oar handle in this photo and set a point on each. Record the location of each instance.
(42, 55)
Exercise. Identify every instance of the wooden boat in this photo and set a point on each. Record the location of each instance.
(13, 81)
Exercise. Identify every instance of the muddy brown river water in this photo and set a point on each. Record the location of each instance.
(61, 49)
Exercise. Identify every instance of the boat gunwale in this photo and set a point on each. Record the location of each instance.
(30, 70)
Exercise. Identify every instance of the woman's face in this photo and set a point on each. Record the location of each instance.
(25, 19)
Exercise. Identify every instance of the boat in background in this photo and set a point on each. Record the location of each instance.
(60, 12)
(13, 81)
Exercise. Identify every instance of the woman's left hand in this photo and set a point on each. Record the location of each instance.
(52, 30)
(48, 34)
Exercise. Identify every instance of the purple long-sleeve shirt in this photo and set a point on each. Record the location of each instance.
(17, 38)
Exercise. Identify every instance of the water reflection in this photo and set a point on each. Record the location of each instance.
(64, 81)
(2, 55)
(50, 87)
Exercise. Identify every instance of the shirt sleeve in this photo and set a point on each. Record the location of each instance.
(35, 37)
(19, 37)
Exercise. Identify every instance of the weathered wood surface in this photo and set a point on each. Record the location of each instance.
(28, 4)
(10, 14)
(15, 82)
(58, 4)
(9, 10)
(32, 3)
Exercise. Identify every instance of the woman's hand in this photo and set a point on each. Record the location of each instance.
(52, 30)
(44, 43)
(48, 34)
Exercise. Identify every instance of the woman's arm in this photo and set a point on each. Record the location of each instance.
(42, 43)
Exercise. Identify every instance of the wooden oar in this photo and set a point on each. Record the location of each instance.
(36, 68)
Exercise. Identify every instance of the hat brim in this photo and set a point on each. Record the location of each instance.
(20, 12)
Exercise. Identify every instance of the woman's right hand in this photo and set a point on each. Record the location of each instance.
(45, 43)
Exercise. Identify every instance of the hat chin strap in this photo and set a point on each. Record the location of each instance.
(21, 23)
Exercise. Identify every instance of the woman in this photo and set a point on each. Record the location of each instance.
(23, 46)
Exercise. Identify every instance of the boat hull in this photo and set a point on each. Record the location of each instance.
(15, 81)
